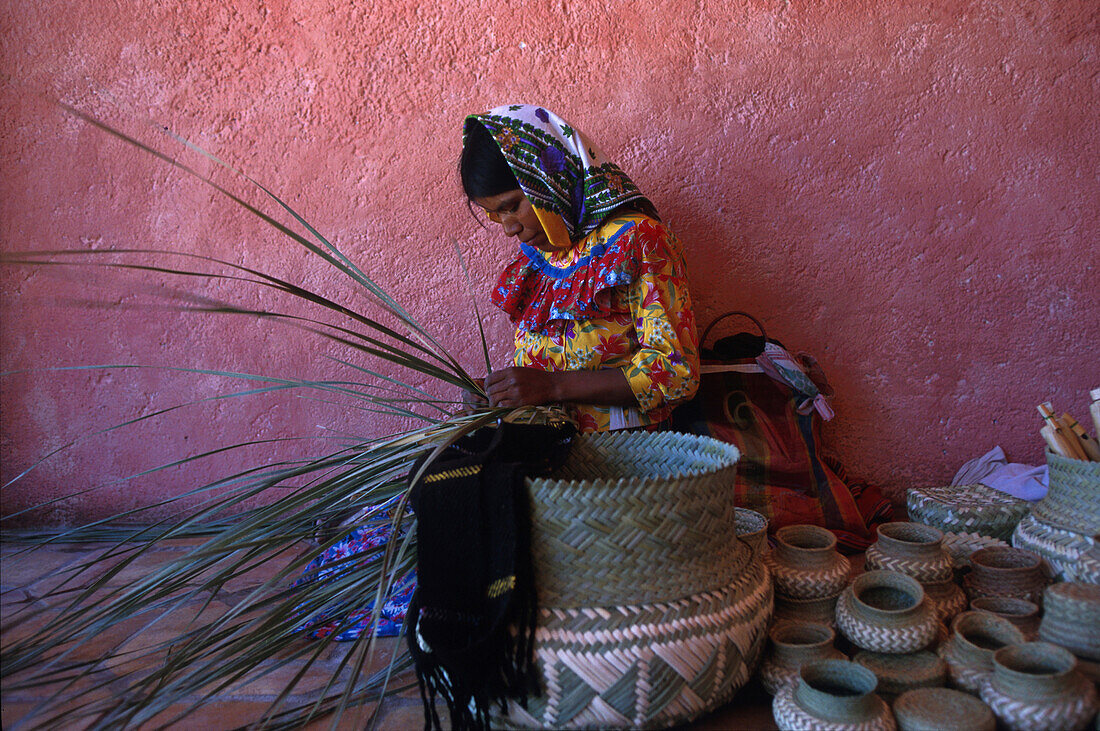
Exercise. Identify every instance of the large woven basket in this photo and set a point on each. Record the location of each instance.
(1072, 501)
(966, 508)
(651, 612)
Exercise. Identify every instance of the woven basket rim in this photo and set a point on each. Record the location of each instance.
(725, 452)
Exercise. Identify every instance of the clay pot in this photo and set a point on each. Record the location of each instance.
(884, 611)
(821, 611)
(832, 694)
(793, 644)
(912, 549)
(936, 709)
(1035, 687)
(1005, 571)
(899, 673)
(1021, 612)
(946, 597)
(805, 564)
(975, 636)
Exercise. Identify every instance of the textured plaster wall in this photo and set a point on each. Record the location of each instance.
(907, 190)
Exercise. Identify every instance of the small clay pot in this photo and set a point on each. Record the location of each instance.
(805, 564)
(1021, 612)
(975, 636)
(884, 611)
(793, 644)
(833, 694)
(1005, 571)
(1035, 686)
(912, 549)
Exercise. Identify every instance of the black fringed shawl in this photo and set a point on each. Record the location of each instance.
(472, 620)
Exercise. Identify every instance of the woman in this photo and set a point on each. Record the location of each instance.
(598, 289)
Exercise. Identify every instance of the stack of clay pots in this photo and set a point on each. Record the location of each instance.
(808, 574)
(917, 551)
(888, 617)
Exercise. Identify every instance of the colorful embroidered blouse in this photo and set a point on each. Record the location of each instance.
(619, 299)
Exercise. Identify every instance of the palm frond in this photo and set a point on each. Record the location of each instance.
(262, 516)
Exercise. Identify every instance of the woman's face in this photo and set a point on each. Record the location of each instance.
(517, 217)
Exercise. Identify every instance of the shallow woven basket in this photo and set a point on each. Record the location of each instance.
(966, 508)
(651, 612)
(1072, 501)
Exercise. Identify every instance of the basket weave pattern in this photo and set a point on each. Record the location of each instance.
(651, 611)
(1072, 618)
(966, 508)
(647, 666)
(1060, 548)
(913, 549)
(1071, 502)
(632, 521)
(881, 638)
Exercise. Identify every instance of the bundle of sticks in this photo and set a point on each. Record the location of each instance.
(1066, 437)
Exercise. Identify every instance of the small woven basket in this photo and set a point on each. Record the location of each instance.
(899, 673)
(1022, 613)
(651, 611)
(966, 508)
(752, 528)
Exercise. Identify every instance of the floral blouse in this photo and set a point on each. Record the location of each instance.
(619, 299)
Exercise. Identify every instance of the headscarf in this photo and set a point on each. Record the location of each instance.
(570, 184)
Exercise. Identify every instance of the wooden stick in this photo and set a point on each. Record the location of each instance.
(1094, 410)
(1088, 444)
(1067, 442)
(1052, 440)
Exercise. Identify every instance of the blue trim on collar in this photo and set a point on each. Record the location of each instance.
(538, 261)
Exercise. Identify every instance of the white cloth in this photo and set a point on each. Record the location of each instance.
(994, 470)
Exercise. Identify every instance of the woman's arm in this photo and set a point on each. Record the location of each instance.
(536, 387)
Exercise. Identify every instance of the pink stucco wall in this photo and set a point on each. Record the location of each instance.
(908, 191)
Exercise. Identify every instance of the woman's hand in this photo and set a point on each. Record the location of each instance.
(472, 400)
(521, 387)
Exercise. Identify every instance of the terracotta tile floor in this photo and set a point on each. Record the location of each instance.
(26, 578)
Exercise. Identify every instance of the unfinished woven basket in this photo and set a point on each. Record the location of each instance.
(1060, 549)
(651, 612)
(966, 508)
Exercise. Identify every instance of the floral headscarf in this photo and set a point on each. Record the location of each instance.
(570, 184)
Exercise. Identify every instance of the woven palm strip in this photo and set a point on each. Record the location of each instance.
(1072, 501)
(650, 665)
(1072, 618)
(910, 637)
(966, 508)
(1070, 712)
(632, 518)
(1060, 548)
(936, 709)
(1088, 566)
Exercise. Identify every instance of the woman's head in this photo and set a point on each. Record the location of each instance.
(566, 182)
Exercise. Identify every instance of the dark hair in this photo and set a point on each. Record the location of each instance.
(482, 167)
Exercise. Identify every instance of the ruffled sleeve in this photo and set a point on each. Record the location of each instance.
(664, 371)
